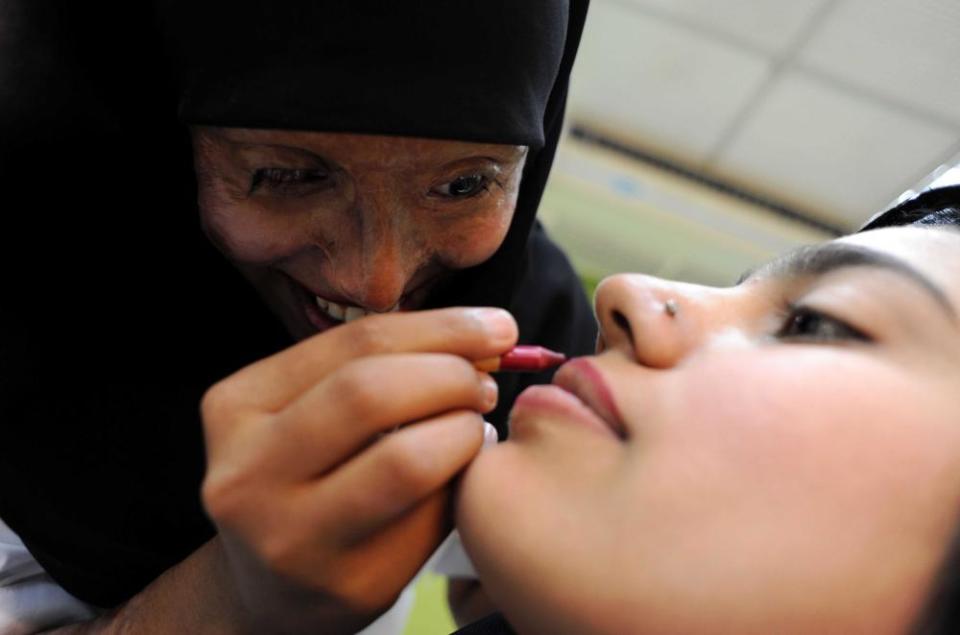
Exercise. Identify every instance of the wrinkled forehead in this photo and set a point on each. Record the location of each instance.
(934, 251)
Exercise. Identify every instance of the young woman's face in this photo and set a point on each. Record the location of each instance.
(782, 456)
(331, 226)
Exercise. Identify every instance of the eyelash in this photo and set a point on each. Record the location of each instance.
(802, 317)
(284, 179)
(482, 186)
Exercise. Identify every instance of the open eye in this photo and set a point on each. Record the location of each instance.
(463, 186)
(287, 179)
(806, 324)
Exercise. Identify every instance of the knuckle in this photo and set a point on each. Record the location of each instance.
(223, 497)
(468, 421)
(353, 388)
(466, 417)
(465, 373)
(406, 468)
(457, 322)
(401, 479)
(368, 336)
(282, 552)
(365, 507)
(235, 493)
(460, 369)
(464, 380)
(450, 371)
(216, 402)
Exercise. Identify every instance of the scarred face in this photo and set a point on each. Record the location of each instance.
(331, 226)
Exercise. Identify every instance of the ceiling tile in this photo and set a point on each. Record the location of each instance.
(769, 26)
(903, 50)
(829, 152)
(659, 86)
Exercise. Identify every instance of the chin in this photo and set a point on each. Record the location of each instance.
(482, 500)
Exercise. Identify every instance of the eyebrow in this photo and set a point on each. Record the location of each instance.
(516, 152)
(254, 145)
(819, 260)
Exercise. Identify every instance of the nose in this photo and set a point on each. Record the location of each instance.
(376, 257)
(375, 275)
(655, 321)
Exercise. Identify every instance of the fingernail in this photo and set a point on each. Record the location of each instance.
(498, 323)
(490, 436)
(490, 391)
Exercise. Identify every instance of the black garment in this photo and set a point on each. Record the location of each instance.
(117, 313)
(938, 206)
(493, 624)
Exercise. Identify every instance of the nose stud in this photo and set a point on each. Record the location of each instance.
(671, 308)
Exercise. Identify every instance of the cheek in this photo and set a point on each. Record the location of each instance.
(246, 232)
(473, 239)
(812, 415)
(828, 477)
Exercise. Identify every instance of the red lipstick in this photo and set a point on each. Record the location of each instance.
(521, 359)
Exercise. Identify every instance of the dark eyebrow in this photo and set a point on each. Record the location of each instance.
(819, 260)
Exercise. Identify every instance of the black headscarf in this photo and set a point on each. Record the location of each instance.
(937, 206)
(117, 314)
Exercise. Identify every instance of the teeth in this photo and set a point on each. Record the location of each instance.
(345, 313)
(352, 313)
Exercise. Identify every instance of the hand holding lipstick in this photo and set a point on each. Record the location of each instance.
(310, 498)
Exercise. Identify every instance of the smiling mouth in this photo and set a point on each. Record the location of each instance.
(324, 313)
(344, 312)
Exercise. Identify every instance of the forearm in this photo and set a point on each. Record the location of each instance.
(192, 597)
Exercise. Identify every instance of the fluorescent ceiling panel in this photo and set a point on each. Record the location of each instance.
(768, 26)
(658, 85)
(903, 51)
(831, 152)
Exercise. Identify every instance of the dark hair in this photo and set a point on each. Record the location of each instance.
(941, 616)
(937, 207)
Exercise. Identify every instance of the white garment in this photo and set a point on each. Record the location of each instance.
(30, 601)
(451, 560)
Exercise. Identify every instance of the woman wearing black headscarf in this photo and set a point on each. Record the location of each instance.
(124, 316)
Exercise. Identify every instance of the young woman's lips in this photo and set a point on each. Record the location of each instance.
(578, 394)
(582, 378)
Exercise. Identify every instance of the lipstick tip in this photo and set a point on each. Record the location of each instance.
(553, 358)
(529, 359)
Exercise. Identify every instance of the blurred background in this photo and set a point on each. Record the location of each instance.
(706, 136)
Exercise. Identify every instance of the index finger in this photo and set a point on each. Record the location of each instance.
(472, 332)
